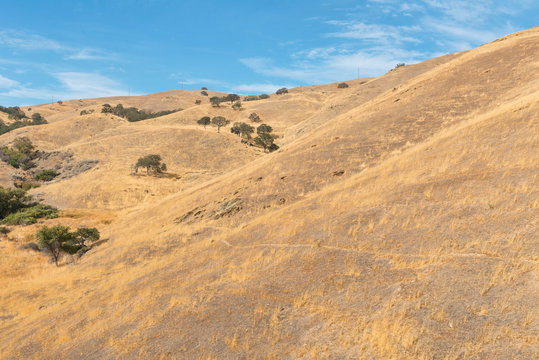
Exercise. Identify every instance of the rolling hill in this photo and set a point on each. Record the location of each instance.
(398, 220)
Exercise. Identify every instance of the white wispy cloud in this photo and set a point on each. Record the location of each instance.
(373, 32)
(21, 40)
(6, 83)
(91, 54)
(70, 85)
(85, 85)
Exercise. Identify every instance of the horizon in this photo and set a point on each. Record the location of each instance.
(124, 48)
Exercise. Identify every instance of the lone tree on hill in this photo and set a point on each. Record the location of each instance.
(342, 85)
(220, 121)
(151, 163)
(282, 91)
(204, 121)
(56, 239)
(254, 117)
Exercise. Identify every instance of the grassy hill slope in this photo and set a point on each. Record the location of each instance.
(403, 227)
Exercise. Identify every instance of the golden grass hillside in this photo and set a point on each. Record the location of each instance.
(404, 227)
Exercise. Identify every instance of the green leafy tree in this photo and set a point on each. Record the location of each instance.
(55, 240)
(231, 98)
(85, 235)
(46, 175)
(235, 129)
(265, 140)
(220, 121)
(37, 119)
(204, 121)
(107, 109)
(11, 200)
(152, 163)
(246, 130)
(215, 101)
(264, 128)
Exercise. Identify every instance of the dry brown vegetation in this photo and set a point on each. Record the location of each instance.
(397, 221)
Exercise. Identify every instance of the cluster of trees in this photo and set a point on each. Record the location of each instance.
(264, 139)
(216, 100)
(256, 97)
(133, 114)
(58, 239)
(20, 155)
(17, 208)
(218, 121)
(152, 163)
(14, 112)
(20, 122)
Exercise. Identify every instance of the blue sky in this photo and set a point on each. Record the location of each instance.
(59, 50)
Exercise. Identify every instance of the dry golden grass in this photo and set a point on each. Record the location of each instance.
(394, 230)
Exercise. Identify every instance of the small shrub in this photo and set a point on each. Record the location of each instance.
(198, 102)
(46, 175)
(282, 91)
(237, 105)
(59, 102)
(399, 65)
(263, 96)
(342, 85)
(20, 155)
(27, 185)
(87, 112)
(204, 92)
(4, 230)
(30, 215)
(203, 88)
(254, 117)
